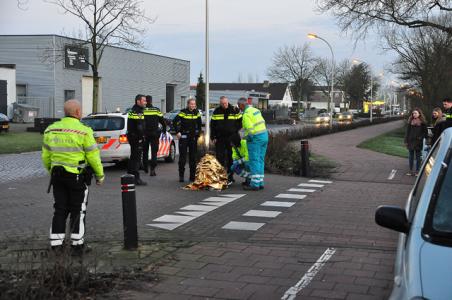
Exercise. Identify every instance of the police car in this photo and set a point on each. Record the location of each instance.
(110, 133)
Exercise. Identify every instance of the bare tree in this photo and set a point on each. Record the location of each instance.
(295, 65)
(361, 15)
(424, 59)
(107, 23)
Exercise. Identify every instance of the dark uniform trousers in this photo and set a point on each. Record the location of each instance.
(190, 144)
(223, 151)
(136, 151)
(71, 198)
(152, 141)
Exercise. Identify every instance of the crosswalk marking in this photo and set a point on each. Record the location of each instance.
(278, 203)
(311, 185)
(301, 190)
(262, 213)
(233, 225)
(290, 196)
(320, 181)
(193, 211)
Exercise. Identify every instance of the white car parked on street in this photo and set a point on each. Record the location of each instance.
(110, 131)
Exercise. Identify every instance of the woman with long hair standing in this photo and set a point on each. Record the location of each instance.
(414, 136)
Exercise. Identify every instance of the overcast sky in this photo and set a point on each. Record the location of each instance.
(244, 34)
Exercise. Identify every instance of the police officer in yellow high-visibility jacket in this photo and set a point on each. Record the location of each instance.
(68, 148)
(256, 136)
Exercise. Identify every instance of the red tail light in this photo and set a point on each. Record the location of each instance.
(123, 139)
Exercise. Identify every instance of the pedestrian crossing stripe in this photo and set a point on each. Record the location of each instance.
(252, 226)
(290, 196)
(320, 181)
(191, 212)
(301, 190)
(278, 203)
(312, 185)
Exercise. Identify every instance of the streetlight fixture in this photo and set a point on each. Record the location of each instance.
(207, 105)
(331, 100)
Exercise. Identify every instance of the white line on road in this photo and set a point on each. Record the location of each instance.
(292, 292)
(312, 185)
(301, 190)
(320, 181)
(278, 203)
(290, 196)
(392, 174)
(191, 212)
(243, 226)
(262, 213)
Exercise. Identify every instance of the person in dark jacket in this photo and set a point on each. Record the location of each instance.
(415, 134)
(226, 122)
(446, 123)
(152, 117)
(135, 135)
(188, 128)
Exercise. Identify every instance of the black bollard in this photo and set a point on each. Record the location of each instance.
(305, 168)
(129, 212)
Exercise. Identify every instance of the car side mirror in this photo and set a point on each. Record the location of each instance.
(392, 217)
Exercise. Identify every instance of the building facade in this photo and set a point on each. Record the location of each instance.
(51, 69)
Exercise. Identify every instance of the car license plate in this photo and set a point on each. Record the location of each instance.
(101, 139)
(5, 126)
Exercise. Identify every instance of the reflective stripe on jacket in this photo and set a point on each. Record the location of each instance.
(252, 121)
(70, 144)
(225, 122)
(188, 122)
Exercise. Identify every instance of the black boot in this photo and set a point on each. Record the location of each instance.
(152, 173)
(181, 176)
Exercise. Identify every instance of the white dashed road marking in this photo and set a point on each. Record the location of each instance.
(312, 185)
(320, 181)
(191, 212)
(301, 190)
(292, 292)
(290, 196)
(243, 226)
(262, 213)
(392, 174)
(278, 203)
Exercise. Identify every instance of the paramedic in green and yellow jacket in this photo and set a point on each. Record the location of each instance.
(68, 149)
(256, 136)
(240, 158)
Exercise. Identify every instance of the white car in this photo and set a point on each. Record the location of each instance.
(424, 254)
(110, 131)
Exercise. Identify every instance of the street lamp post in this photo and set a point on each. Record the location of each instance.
(331, 100)
(207, 135)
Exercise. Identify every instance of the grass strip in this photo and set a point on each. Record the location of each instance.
(391, 143)
(18, 142)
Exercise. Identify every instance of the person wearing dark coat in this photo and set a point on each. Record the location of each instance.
(446, 123)
(135, 135)
(152, 118)
(226, 122)
(414, 137)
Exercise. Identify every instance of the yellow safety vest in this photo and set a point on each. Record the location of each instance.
(252, 121)
(70, 144)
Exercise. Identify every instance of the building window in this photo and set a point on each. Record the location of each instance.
(69, 94)
(21, 90)
(183, 99)
(262, 104)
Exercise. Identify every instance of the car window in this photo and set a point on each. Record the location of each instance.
(442, 216)
(3, 117)
(104, 123)
(420, 183)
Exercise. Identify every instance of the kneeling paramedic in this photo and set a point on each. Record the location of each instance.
(240, 158)
(70, 154)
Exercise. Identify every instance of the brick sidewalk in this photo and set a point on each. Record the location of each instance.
(338, 216)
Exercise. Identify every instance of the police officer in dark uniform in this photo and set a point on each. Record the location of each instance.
(135, 135)
(188, 128)
(226, 122)
(152, 117)
(446, 123)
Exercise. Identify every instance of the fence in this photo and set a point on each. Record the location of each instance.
(45, 105)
